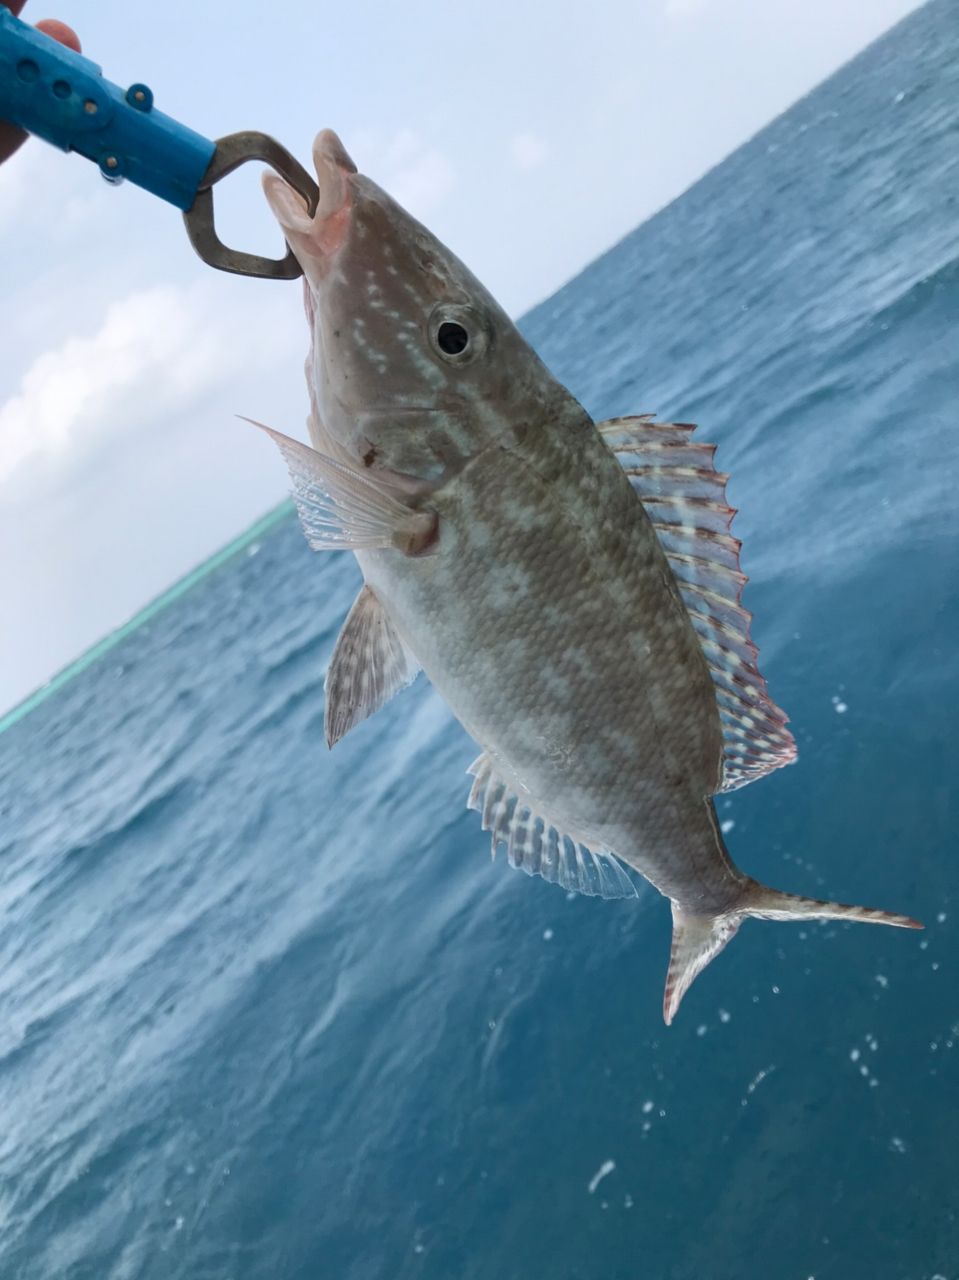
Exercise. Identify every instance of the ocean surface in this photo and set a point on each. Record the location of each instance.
(271, 1012)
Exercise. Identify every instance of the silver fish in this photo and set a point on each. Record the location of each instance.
(572, 589)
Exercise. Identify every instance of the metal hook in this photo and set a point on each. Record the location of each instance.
(232, 151)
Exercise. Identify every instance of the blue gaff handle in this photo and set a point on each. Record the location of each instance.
(63, 98)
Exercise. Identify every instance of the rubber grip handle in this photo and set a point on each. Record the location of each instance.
(62, 97)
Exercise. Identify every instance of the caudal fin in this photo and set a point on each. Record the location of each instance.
(698, 938)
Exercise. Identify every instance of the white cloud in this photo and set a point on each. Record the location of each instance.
(527, 150)
(43, 184)
(154, 352)
(122, 464)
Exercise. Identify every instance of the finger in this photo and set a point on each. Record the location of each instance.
(61, 32)
(11, 138)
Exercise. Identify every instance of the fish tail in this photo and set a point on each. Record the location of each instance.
(697, 939)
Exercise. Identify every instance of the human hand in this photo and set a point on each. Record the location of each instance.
(10, 136)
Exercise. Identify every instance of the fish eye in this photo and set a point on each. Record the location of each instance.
(452, 338)
(458, 333)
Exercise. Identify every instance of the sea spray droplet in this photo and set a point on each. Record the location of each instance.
(604, 1170)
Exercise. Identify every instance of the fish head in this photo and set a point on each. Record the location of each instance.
(414, 368)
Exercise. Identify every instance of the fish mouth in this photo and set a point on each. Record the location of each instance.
(314, 240)
(330, 224)
(334, 167)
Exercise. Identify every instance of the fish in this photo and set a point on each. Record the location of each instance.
(572, 589)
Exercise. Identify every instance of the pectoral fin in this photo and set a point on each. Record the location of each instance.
(370, 663)
(344, 509)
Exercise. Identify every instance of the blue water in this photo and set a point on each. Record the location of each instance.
(271, 1012)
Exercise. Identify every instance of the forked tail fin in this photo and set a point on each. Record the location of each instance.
(698, 938)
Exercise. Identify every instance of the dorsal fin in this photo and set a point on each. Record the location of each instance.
(685, 498)
(537, 847)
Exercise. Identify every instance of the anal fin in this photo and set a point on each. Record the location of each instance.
(535, 845)
(370, 663)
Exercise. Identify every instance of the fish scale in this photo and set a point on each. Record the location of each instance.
(571, 589)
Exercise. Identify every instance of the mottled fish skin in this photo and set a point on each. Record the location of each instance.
(549, 621)
(544, 609)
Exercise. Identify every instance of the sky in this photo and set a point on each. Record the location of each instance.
(529, 137)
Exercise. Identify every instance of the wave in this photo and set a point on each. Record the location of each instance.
(941, 285)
